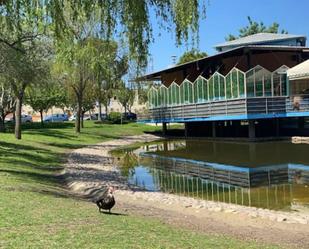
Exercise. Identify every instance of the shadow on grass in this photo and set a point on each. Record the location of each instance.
(50, 133)
(5, 146)
(34, 176)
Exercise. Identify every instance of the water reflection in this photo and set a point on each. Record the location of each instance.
(268, 175)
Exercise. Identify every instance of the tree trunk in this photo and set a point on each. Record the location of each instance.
(41, 114)
(18, 117)
(106, 111)
(100, 111)
(2, 127)
(82, 120)
(78, 114)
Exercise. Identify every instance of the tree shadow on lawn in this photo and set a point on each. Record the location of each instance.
(5, 146)
(26, 159)
(51, 133)
(45, 178)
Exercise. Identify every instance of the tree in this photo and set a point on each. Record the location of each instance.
(125, 97)
(108, 68)
(191, 55)
(22, 68)
(254, 28)
(44, 96)
(7, 103)
(130, 20)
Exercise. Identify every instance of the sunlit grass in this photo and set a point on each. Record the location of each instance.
(36, 212)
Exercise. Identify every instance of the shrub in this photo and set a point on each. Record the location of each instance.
(115, 117)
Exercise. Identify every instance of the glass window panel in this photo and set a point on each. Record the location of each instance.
(284, 84)
(196, 90)
(211, 88)
(186, 92)
(200, 95)
(228, 80)
(267, 84)
(259, 75)
(174, 94)
(221, 87)
(182, 93)
(241, 81)
(277, 85)
(170, 95)
(234, 84)
(177, 94)
(216, 87)
(206, 90)
(250, 83)
(149, 98)
(190, 92)
(158, 98)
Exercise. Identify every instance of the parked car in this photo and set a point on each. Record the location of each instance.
(86, 117)
(90, 117)
(56, 118)
(129, 115)
(24, 119)
(103, 116)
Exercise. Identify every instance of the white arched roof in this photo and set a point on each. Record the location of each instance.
(299, 72)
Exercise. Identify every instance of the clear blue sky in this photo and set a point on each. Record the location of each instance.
(227, 16)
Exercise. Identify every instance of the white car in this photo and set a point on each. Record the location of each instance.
(86, 117)
(24, 119)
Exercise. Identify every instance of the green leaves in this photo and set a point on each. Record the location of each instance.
(254, 28)
(191, 55)
(127, 19)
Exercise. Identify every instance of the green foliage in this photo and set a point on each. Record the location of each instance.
(107, 69)
(125, 96)
(191, 55)
(125, 18)
(115, 117)
(254, 28)
(44, 96)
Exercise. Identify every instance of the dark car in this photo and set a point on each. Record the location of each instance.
(129, 115)
(103, 116)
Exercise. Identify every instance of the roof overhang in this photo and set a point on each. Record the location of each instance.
(155, 76)
(299, 72)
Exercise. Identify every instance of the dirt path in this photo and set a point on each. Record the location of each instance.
(90, 169)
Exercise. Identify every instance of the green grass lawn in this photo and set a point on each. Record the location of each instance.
(35, 211)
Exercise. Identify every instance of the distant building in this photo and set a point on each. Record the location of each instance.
(266, 39)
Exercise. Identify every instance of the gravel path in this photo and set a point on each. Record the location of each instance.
(89, 170)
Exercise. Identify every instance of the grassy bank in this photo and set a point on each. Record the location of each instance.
(36, 212)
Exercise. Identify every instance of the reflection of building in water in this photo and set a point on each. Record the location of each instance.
(165, 146)
(267, 187)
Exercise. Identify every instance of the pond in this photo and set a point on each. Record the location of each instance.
(272, 175)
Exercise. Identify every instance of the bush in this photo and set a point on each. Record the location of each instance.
(115, 117)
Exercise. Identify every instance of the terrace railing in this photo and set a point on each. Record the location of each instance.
(226, 109)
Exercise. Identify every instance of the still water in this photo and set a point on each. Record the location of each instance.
(273, 175)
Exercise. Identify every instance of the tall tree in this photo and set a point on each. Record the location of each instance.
(254, 28)
(125, 97)
(7, 103)
(23, 68)
(191, 55)
(108, 68)
(44, 96)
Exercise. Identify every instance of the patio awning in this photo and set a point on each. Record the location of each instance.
(299, 72)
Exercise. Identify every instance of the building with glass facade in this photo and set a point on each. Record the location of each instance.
(238, 92)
